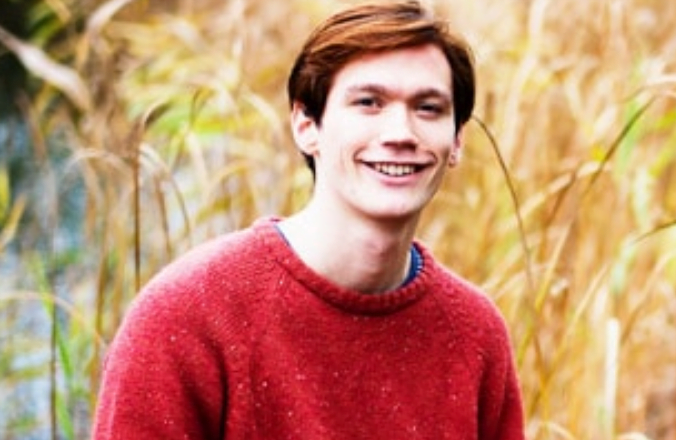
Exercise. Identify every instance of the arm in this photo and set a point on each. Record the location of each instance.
(163, 377)
(501, 403)
(511, 420)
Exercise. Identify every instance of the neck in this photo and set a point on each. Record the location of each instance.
(370, 256)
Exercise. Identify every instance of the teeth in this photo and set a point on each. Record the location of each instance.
(394, 169)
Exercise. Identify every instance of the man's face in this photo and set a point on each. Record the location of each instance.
(386, 135)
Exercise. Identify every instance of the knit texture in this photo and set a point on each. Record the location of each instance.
(239, 339)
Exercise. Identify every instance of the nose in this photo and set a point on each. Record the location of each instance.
(397, 128)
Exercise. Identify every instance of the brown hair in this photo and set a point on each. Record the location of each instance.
(372, 28)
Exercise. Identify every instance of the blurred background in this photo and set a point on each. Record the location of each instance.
(131, 130)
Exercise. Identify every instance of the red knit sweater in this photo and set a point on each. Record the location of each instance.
(240, 340)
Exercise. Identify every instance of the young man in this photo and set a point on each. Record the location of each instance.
(332, 324)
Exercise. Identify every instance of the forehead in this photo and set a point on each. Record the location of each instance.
(407, 69)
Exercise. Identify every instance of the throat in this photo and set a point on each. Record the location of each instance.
(367, 266)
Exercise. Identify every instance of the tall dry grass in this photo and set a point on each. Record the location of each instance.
(563, 209)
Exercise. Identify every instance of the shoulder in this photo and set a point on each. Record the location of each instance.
(219, 276)
(233, 248)
(474, 324)
(464, 303)
(230, 257)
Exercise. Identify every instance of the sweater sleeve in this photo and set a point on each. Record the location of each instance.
(501, 402)
(163, 377)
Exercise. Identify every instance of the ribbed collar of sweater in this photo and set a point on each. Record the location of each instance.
(351, 301)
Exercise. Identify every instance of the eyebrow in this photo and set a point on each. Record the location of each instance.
(427, 92)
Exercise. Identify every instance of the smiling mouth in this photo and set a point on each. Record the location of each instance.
(395, 169)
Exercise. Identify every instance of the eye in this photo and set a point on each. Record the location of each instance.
(367, 102)
(431, 109)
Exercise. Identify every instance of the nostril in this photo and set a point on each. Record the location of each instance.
(400, 136)
(399, 141)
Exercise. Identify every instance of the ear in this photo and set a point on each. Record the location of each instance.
(304, 129)
(456, 150)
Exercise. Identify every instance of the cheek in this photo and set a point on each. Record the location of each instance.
(442, 148)
(439, 136)
(344, 137)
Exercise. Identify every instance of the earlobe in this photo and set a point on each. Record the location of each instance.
(304, 129)
(456, 151)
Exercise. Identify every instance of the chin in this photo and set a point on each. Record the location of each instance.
(395, 215)
(389, 207)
